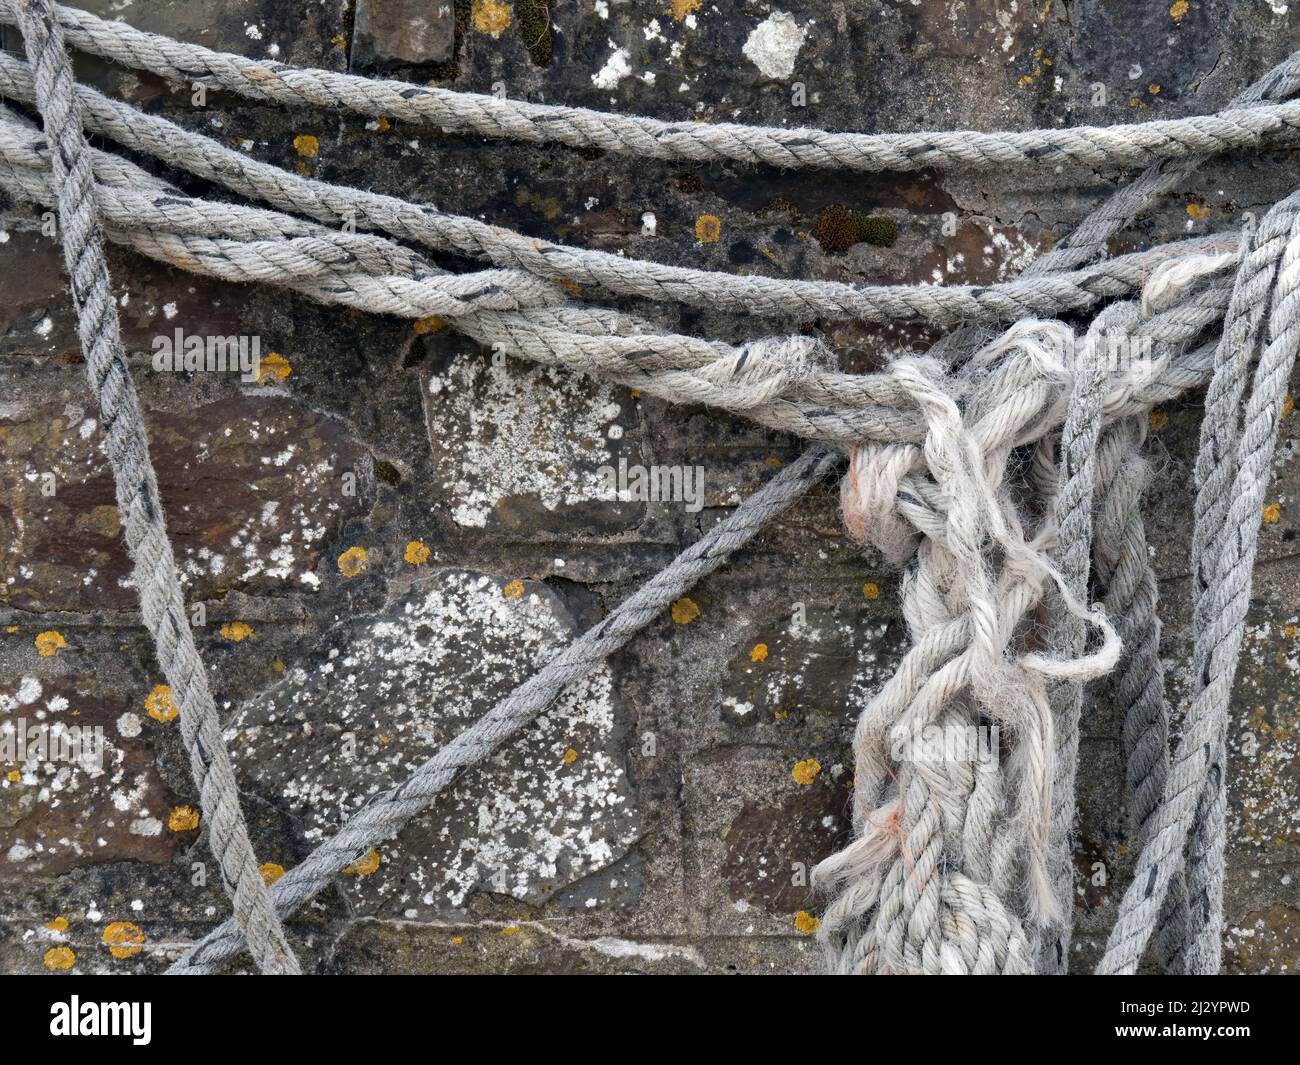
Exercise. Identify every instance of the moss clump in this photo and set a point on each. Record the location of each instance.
(836, 229)
(879, 232)
(534, 18)
(387, 473)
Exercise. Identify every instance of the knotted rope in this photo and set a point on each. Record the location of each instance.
(954, 472)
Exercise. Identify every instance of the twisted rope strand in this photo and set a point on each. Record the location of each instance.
(279, 83)
(154, 568)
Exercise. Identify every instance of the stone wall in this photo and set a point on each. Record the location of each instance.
(657, 818)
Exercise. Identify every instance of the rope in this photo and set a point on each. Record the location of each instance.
(985, 468)
(1197, 765)
(154, 568)
(786, 383)
(751, 295)
(384, 814)
(279, 83)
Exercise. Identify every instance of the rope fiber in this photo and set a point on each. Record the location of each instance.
(1002, 471)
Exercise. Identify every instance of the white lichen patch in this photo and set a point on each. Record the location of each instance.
(1263, 743)
(76, 784)
(616, 68)
(500, 432)
(549, 808)
(774, 45)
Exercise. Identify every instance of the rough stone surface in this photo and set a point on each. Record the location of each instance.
(653, 822)
(404, 33)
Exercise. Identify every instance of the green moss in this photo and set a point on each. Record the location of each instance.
(388, 473)
(838, 228)
(534, 18)
(877, 231)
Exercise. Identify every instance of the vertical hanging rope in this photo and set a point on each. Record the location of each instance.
(933, 883)
(154, 572)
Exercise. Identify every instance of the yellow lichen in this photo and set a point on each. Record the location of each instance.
(685, 610)
(274, 365)
(365, 866)
(271, 872)
(1272, 513)
(570, 756)
(456, 941)
(49, 643)
(339, 41)
(490, 16)
(1178, 10)
(14, 776)
(160, 705)
(679, 9)
(806, 923)
(234, 631)
(871, 590)
(306, 145)
(1158, 419)
(416, 553)
(183, 819)
(780, 715)
(430, 324)
(1196, 212)
(123, 939)
(510, 930)
(353, 562)
(805, 772)
(382, 124)
(708, 228)
(1288, 405)
(59, 924)
(59, 958)
(759, 653)
(514, 590)
(1153, 89)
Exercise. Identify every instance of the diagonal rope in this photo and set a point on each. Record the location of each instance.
(384, 814)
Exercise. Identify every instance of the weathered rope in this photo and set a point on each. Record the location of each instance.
(752, 295)
(1271, 270)
(1074, 504)
(786, 383)
(936, 881)
(154, 571)
(384, 814)
(911, 880)
(489, 116)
